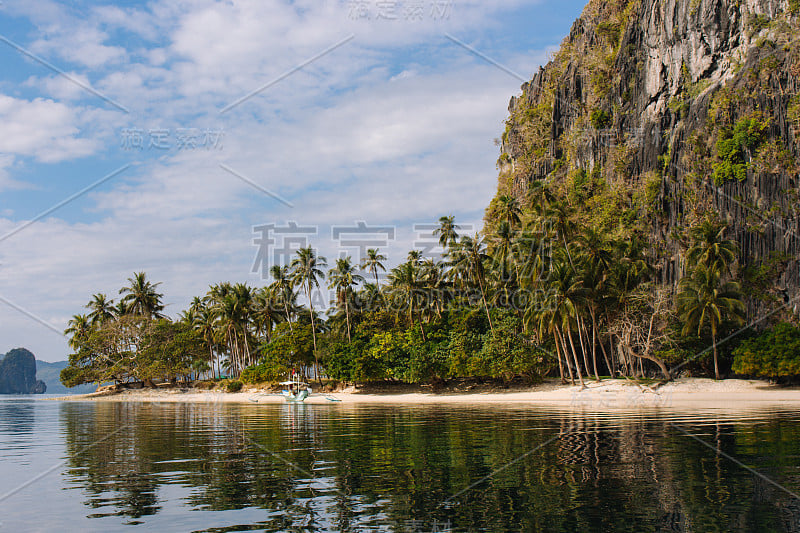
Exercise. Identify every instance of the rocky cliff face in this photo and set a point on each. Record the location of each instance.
(656, 113)
(18, 373)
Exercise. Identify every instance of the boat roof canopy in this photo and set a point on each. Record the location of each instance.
(292, 383)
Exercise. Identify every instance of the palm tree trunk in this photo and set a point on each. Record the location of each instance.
(581, 333)
(313, 334)
(485, 306)
(560, 364)
(575, 357)
(714, 344)
(347, 316)
(247, 358)
(609, 365)
(211, 358)
(594, 342)
(564, 352)
(288, 317)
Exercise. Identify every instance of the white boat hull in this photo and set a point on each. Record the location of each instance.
(293, 397)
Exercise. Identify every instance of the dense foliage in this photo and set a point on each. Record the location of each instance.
(536, 293)
(775, 353)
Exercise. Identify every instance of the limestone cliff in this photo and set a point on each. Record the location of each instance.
(654, 113)
(18, 373)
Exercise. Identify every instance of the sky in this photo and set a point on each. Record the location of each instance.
(202, 141)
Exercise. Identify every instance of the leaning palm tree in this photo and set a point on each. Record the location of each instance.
(141, 297)
(446, 231)
(102, 309)
(307, 274)
(373, 262)
(342, 279)
(704, 298)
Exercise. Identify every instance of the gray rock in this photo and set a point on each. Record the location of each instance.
(18, 373)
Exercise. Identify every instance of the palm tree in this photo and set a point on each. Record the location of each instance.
(342, 279)
(501, 245)
(102, 309)
(79, 327)
(265, 311)
(121, 308)
(404, 281)
(593, 279)
(370, 297)
(559, 312)
(554, 313)
(307, 274)
(710, 248)
(244, 301)
(203, 320)
(540, 196)
(595, 261)
(446, 231)
(468, 262)
(373, 262)
(506, 208)
(431, 277)
(282, 286)
(704, 298)
(559, 214)
(628, 270)
(141, 297)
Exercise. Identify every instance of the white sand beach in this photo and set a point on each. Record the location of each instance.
(608, 394)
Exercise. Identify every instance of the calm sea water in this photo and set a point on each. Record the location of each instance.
(69, 466)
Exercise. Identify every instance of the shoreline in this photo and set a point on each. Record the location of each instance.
(608, 394)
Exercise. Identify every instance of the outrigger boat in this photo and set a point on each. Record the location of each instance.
(297, 391)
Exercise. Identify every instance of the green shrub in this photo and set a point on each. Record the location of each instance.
(775, 353)
(732, 145)
(758, 23)
(266, 370)
(233, 386)
(609, 30)
(600, 119)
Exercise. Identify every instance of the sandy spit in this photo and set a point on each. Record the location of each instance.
(608, 394)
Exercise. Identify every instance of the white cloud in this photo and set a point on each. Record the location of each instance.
(395, 127)
(42, 128)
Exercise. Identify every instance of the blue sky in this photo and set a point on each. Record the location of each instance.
(370, 111)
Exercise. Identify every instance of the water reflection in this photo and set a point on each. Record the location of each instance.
(353, 468)
(17, 416)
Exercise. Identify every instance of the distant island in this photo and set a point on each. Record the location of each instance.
(18, 373)
(49, 373)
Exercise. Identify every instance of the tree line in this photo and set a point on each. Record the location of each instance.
(535, 293)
